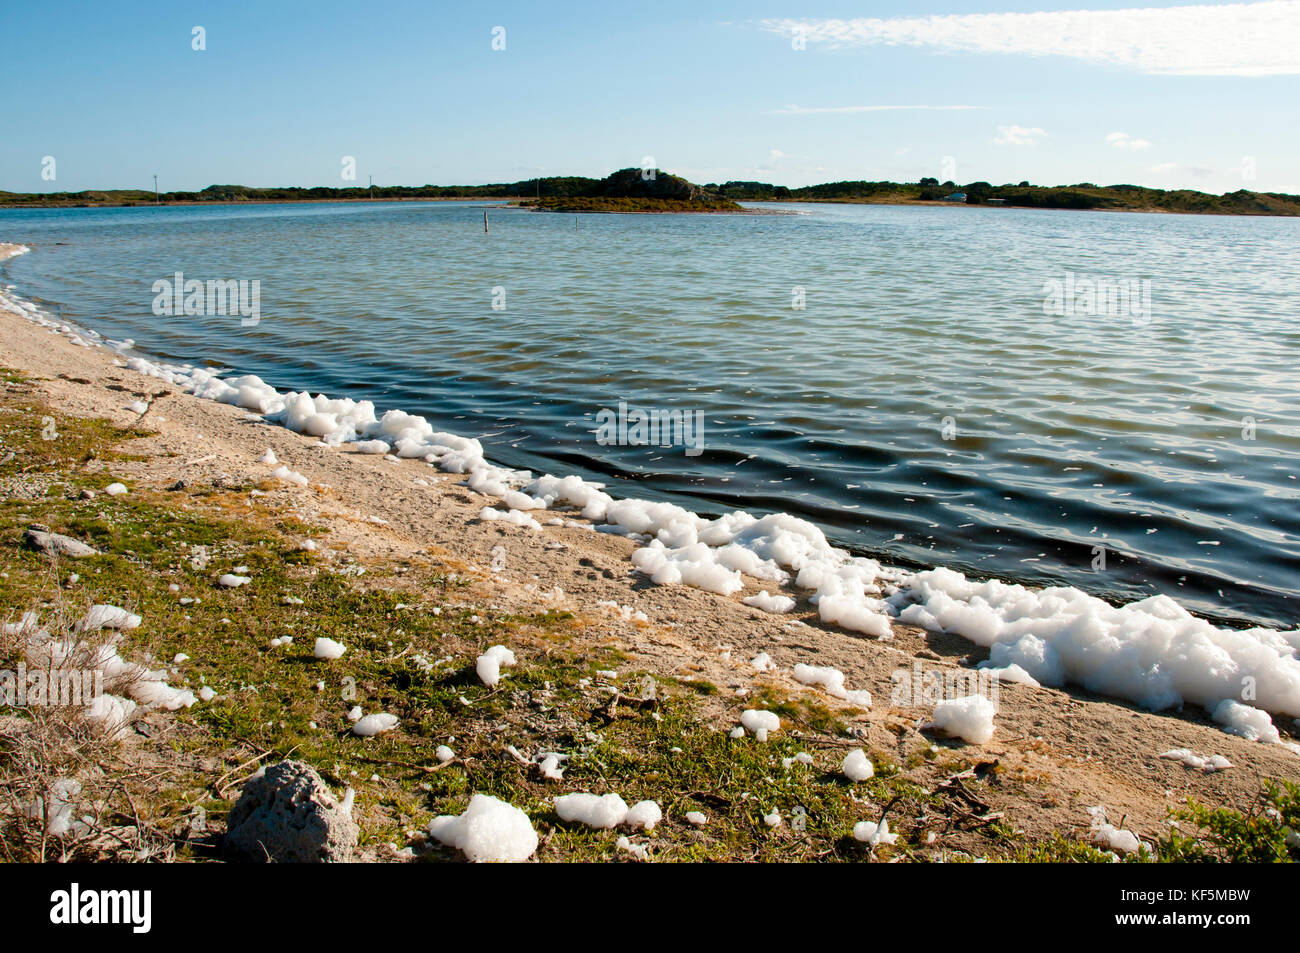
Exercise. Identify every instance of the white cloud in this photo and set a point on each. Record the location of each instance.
(1183, 169)
(814, 110)
(1018, 136)
(1238, 39)
(1122, 140)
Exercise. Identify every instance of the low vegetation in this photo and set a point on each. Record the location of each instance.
(628, 190)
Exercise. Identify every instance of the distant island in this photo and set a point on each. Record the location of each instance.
(635, 190)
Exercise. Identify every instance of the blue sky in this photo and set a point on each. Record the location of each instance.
(115, 93)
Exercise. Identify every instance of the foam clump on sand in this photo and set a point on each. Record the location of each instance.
(692, 565)
(832, 681)
(1152, 652)
(488, 665)
(490, 831)
(517, 517)
(769, 603)
(1253, 724)
(1208, 764)
(289, 476)
(683, 548)
(969, 718)
(686, 549)
(760, 722)
(1009, 673)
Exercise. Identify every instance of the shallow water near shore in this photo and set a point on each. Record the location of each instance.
(922, 407)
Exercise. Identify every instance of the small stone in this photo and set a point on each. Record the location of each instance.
(39, 538)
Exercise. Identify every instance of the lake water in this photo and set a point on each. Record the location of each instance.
(924, 406)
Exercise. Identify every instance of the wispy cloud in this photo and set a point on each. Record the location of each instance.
(1239, 39)
(1019, 136)
(1182, 169)
(1122, 140)
(816, 110)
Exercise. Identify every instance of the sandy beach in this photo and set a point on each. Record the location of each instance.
(1054, 754)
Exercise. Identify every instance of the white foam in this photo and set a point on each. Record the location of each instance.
(488, 665)
(644, 815)
(857, 766)
(769, 603)
(490, 831)
(1153, 652)
(969, 718)
(328, 649)
(760, 722)
(107, 617)
(376, 724)
(832, 681)
(1197, 762)
(1247, 722)
(605, 811)
(518, 517)
(1111, 837)
(869, 832)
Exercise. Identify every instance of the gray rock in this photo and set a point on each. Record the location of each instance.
(286, 814)
(42, 540)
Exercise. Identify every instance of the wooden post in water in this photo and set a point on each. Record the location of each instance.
(485, 228)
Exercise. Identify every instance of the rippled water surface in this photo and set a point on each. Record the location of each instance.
(1172, 444)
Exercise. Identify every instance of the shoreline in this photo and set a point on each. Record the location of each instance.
(498, 483)
(1067, 747)
(340, 201)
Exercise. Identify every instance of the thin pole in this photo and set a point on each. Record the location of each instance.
(485, 227)
(156, 200)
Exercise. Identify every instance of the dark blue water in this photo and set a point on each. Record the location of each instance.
(1172, 442)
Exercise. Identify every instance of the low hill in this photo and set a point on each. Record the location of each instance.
(633, 190)
(627, 190)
